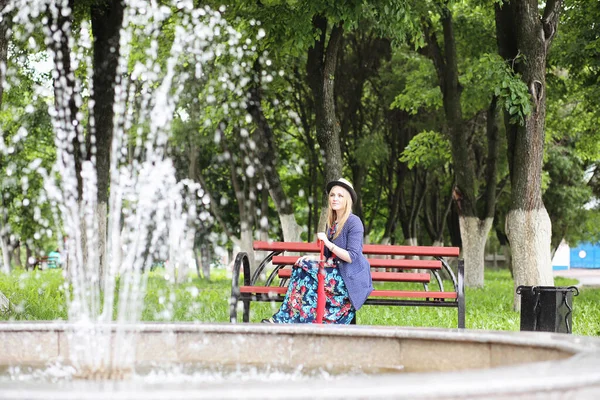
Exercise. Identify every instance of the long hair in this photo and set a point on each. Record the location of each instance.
(342, 218)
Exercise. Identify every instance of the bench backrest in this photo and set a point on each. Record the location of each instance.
(375, 262)
(368, 249)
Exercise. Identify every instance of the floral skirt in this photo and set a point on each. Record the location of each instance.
(300, 302)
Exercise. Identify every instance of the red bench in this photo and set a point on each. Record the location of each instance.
(252, 291)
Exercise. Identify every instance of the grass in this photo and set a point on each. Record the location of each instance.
(40, 295)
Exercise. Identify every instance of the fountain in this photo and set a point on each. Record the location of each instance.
(258, 361)
(123, 358)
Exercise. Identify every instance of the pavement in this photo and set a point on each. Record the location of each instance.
(587, 277)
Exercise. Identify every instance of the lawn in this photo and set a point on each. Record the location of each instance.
(40, 295)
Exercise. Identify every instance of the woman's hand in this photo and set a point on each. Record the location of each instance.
(307, 258)
(333, 248)
(326, 242)
(322, 236)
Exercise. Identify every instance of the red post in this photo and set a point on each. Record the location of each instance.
(321, 286)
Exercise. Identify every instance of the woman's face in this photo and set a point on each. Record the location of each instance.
(338, 197)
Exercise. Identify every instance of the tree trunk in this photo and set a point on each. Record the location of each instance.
(473, 227)
(474, 233)
(5, 305)
(321, 64)
(17, 254)
(508, 259)
(66, 92)
(4, 229)
(107, 19)
(5, 254)
(205, 260)
(521, 30)
(29, 257)
(436, 213)
(413, 241)
(4, 25)
(265, 141)
(395, 171)
(70, 139)
(530, 233)
(409, 212)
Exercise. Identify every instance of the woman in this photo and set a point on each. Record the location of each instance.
(347, 272)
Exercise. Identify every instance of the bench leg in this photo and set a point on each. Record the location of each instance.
(461, 294)
(246, 317)
(241, 261)
(233, 309)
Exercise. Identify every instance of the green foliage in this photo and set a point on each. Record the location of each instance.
(573, 98)
(491, 74)
(371, 150)
(429, 150)
(572, 119)
(26, 151)
(421, 86)
(567, 195)
(397, 20)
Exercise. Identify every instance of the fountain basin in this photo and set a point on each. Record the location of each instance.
(403, 363)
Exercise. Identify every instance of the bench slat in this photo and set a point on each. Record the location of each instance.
(375, 263)
(378, 249)
(380, 276)
(425, 251)
(311, 247)
(413, 294)
(375, 293)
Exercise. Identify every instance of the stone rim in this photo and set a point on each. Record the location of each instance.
(577, 375)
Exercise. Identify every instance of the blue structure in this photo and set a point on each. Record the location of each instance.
(54, 260)
(585, 255)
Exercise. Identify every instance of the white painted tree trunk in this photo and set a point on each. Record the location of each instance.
(412, 241)
(101, 214)
(322, 221)
(245, 244)
(17, 255)
(529, 234)
(205, 261)
(443, 273)
(5, 255)
(291, 229)
(4, 303)
(188, 258)
(474, 233)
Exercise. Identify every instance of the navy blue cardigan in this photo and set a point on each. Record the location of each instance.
(356, 274)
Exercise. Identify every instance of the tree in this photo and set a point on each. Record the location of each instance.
(573, 114)
(266, 152)
(431, 151)
(360, 108)
(4, 25)
(471, 126)
(524, 37)
(313, 31)
(26, 147)
(107, 20)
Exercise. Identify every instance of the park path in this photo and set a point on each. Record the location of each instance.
(587, 277)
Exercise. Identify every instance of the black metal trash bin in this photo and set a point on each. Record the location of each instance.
(547, 308)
